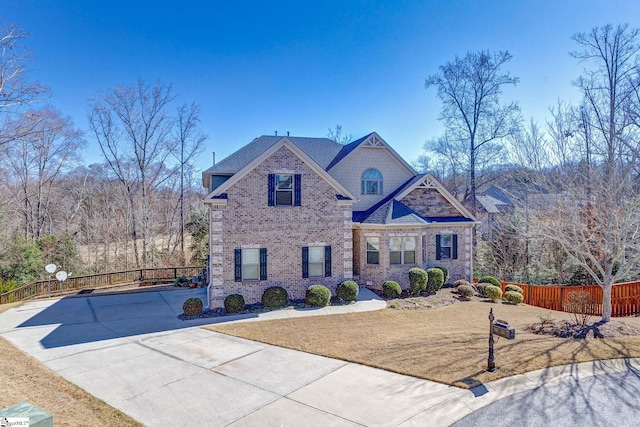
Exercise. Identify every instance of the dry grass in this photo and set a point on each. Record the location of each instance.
(23, 378)
(448, 345)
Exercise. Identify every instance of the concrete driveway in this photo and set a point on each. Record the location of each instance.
(132, 351)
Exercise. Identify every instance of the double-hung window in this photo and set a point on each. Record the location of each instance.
(285, 189)
(402, 250)
(446, 246)
(316, 261)
(250, 264)
(373, 250)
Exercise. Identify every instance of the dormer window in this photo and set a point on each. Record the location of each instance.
(371, 182)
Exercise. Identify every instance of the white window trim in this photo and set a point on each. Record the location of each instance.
(257, 264)
(367, 249)
(450, 256)
(403, 250)
(321, 248)
(276, 190)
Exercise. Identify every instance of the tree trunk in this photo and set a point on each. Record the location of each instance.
(606, 300)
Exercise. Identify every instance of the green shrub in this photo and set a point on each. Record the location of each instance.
(513, 288)
(274, 296)
(435, 280)
(391, 289)
(482, 289)
(490, 279)
(465, 291)
(493, 292)
(347, 290)
(234, 303)
(181, 281)
(580, 277)
(192, 307)
(514, 297)
(417, 280)
(445, 274)
(317, 296)
(461, 282)
(7, 285)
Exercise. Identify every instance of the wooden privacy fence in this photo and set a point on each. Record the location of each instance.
(625, 297)
(54, 287)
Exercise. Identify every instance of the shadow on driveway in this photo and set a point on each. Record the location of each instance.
(104, 317)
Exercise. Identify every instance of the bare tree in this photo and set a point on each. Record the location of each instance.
(470, 90)
(189, 144)
(596, 217)
(36, 160)
(133, 128)
(15, 90)
(336, 134)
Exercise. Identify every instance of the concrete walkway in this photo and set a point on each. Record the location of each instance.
(132, 352)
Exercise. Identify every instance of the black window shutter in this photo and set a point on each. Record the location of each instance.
(454, 249)
(263, 263)
(238, 264)
(271, 188)
(327, 261)
(438, 247)
(305, 262)
(297, 190)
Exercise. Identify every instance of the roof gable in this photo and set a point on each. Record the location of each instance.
(373, 140)
(282, 142)
(429, 182)
(321, 150)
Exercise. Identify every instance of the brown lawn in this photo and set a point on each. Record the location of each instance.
(448, 345)
(23, 378)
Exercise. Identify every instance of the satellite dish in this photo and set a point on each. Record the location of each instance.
(61, 275)
(50, 268)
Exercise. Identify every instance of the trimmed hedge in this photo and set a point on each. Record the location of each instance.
(445, 273)
(435, 280)
(391, 289)
(490, 279)
(234, 303)
(493, 292)
(514, 297)
(192, 307)
(275, 296)
(465, 291)
(417, 280)
(482, 289)
(461, 282)
(513, 288)
(317, 296)
(348, 290)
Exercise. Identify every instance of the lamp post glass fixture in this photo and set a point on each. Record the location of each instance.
(61, 275)
(50, 269)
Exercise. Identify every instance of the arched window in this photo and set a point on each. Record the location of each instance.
(371, 182)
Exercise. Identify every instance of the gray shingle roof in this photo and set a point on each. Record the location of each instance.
(321, 150)
(346, 149)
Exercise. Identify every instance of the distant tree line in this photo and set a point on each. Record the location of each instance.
(137, 208)
(585, 226)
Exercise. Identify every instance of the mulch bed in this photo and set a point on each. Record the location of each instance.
(296, 304)
(564, 329)
(444, 297)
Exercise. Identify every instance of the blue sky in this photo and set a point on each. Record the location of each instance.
(255, 67)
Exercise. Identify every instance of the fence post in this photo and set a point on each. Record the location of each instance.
(560, 308)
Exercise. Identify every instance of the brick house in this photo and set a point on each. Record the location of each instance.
(294, 211)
